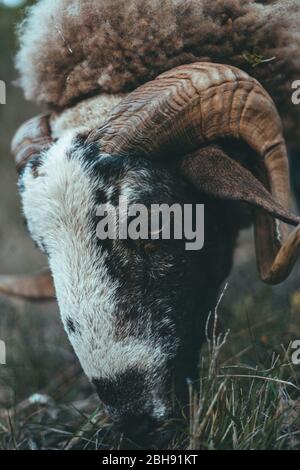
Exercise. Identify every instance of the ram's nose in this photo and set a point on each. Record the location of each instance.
(136, 427)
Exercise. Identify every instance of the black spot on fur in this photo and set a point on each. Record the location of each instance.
(91, 152)
(108, 167)
(127, 387)
(105, 244)
(115, 195)
(44, 249)
(72, 326)
(35, 163)
(101, 196)
(21, 185)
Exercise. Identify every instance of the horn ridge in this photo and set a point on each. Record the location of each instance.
(197, 104)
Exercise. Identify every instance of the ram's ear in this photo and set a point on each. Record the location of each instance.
(33, 137)
(37, 286)
(213, 172)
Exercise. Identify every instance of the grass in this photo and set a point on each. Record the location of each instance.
(242, 407)
(247, 396)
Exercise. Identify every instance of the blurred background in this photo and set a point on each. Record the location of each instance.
(39, 357)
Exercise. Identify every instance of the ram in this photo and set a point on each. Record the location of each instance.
(191, 131)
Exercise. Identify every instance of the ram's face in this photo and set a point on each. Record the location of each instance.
(127, 303)
(122, 302)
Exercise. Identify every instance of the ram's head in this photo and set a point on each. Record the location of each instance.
(135, 310)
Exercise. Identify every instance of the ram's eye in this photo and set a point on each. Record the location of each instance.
(150, 247)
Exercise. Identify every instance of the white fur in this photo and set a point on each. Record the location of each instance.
(58, 205)
(85, 116)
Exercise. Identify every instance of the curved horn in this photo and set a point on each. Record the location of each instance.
(30, 140)
(193, 105)
(213, 172)
(29, 286)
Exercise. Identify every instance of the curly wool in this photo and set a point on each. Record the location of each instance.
(71, 49)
